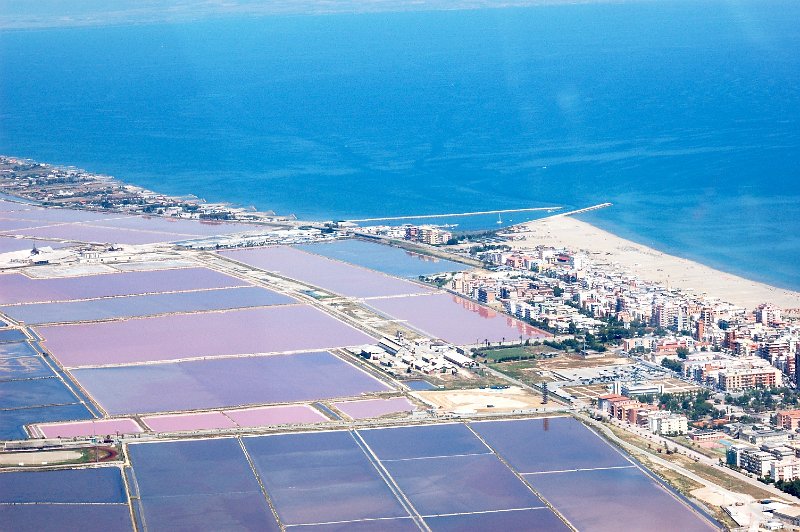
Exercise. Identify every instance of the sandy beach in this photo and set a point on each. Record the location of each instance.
(649, 264)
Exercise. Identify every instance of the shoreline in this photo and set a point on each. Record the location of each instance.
(607, 249)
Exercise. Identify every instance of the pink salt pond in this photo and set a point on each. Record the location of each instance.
(328, 274)
(375, 407)
(18, 288)
(98, 234)
(230, 419)
(455, 319)
(185, 422)
(97, 427)
(275, 415)
(177, 336)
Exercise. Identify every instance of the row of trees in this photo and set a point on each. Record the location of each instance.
(694, 407)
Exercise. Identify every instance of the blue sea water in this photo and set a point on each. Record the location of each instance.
(683, 114)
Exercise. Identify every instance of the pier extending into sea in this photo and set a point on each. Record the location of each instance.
(454, 215)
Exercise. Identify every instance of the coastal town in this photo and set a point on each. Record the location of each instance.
(700, 390)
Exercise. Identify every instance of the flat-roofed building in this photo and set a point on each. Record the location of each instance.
(746, 378)
(664, 423)
(787, 469)
(756, 461)
(789, 515)
(617, 405)
(706, 435)
(788, 419)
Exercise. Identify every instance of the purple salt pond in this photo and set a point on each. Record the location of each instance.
(9, 206)
(561, 443)
(275, 415)
(187, 422)
(102, 235)
(231, 419)
(199, 485)
(375, 407)
(145, 305)
(608, 500)
(50, 216)
(95, 485)
(12, 422)
(455, 319)
(99, 427)
(321, 477)
(328, 274)
(16, 288)
(12, 226)
(423, 441)
(260, 330)
(225, 382)
(8, 244)
(190, 228)
(458, 484)
(83, 517)
(538, 520)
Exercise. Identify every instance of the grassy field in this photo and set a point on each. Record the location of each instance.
(519, 352)
(709, 473)
(525, 370)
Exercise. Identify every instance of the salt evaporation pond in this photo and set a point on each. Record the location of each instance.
(11, 336)
(44, 216)
(562, 444)
(419, 385)
(608, 500)
(423, 441)
(177, 336)
(11, 226)
(189, 421)
(335, 476)
(97, 234)
(145, 305)
(231, 419)
(19, 349)
(83, 517)
(72, 499)
(200, 485)
(275, 415)
(8, 243)
(331, 275)
(18, 288)
(10, 206)
(12, 422)
(383, 258)
(225, 382)
(35, 392)
(95, 427)
(539, 519)
(375, 407)
(453, 480)
(180, 226)
(12, 368)
(461, 484)
(455, 319)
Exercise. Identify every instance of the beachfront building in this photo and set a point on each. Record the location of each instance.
(428, 234)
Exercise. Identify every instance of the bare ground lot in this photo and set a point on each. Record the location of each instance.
(482, 400)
